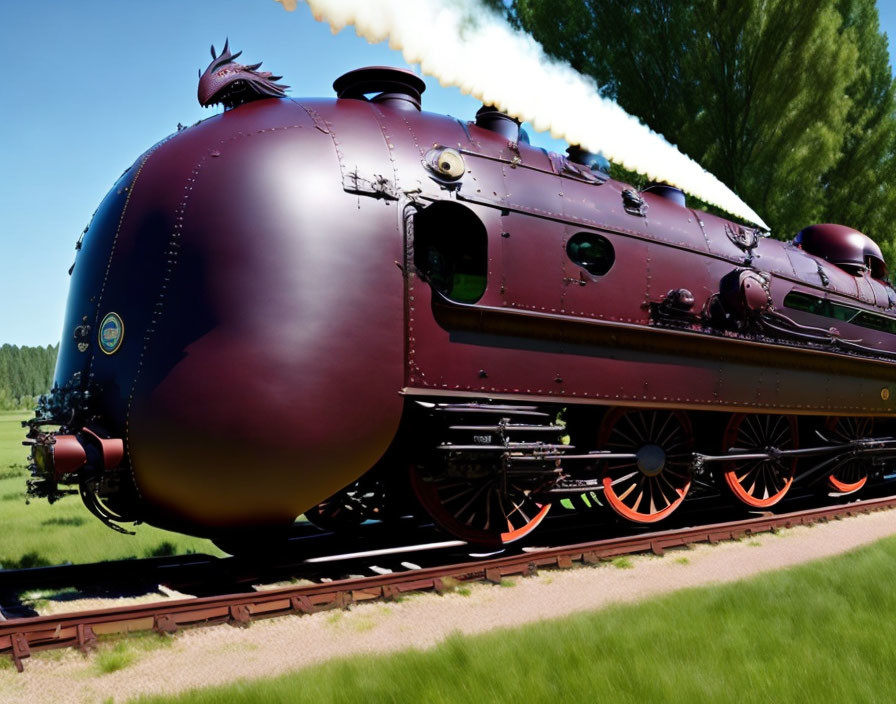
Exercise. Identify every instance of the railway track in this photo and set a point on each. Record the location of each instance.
(309, 554)
(196, 574)
(19, 637)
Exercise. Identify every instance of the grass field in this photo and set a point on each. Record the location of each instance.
(40, 534)
(824, 632)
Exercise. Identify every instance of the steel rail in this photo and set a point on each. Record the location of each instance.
(20, 637)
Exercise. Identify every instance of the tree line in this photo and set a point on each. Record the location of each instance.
(789, 102)
(25, 374)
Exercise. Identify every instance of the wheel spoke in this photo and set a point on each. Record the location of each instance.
(626, 465)
(628, 491)
(627, 441)
(658, 484)
(778, 437)
(752, 468)
(675, 490)
(466, 489)
(488, 508)
(525, 516)
(662, 430)
(622, 479)
(467, 505)
(666, 442)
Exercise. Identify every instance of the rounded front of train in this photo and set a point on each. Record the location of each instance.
(227, 304)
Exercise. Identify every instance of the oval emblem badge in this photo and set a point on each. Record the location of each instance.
(111, 333)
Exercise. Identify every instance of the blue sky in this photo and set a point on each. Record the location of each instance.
(89, 85)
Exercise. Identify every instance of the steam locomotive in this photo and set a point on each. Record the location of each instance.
(336, 306)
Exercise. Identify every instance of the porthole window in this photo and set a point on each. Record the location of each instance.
(593, 252)
(451, 251)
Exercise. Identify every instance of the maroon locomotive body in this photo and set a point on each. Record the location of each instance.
(312, 306)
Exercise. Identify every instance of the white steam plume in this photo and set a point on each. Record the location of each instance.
(463, 44)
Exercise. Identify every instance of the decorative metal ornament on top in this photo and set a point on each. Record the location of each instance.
(111, 333)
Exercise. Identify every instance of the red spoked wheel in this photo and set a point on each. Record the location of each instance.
(650, 487)
(764, 482)
(852, 475)
(481, 508)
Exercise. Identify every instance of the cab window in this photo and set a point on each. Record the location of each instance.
(451, 251)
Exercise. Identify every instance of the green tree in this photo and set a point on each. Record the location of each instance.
(772, 96)
(25, 373)
(860, 188)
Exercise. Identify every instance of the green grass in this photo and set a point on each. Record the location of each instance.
(114, 659)
(820, 632)
(39, 598)
(37, 533)
(118, 653)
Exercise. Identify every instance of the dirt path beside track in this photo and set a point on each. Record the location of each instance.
(220, 654)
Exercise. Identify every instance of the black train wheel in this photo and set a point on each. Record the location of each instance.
(764, 482)
(852, 474)
(478, 510)
(650, 487)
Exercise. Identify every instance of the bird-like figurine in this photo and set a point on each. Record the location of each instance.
(231, 84)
